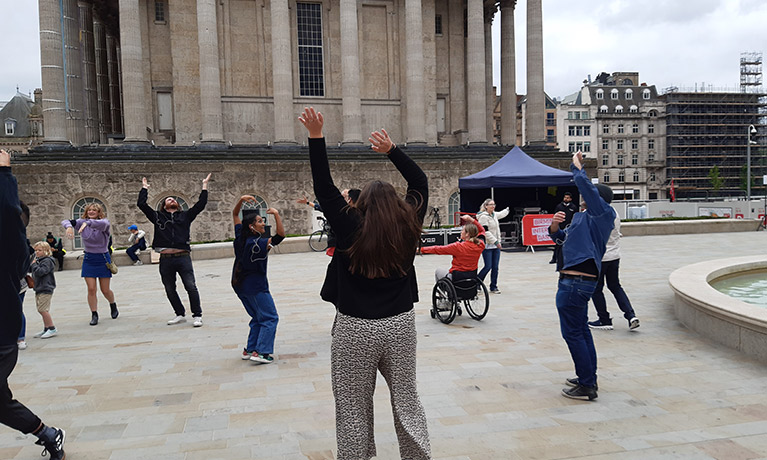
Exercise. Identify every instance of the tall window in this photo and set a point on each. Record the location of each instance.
(629, 94)
(652, 177)
(571, 147)
(605, 160)
(650, 144)
(620, 128)
(438, 24)
(587, 130)
(619, 144)
(636, 176)
(620, 160)
(77, 213)
(646, 94)
(651, 157)
(634, 144)
(634, 159)
(10, 127)
(614, 94)
(571, 130)
(621, 176)
(310, 69)
(605, 129)
(159, 11)
(453, 206)
(600, 94)
(635, 128)
(605, 144)
(606, 177)
(587, 146)
(650, 128)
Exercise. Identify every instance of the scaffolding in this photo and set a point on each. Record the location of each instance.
(710, 129)
(751, 72)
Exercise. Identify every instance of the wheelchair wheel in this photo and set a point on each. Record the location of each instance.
(443, 303)
(478, 306)
(318, 241)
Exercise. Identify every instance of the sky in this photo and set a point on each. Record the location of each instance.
(683, 43)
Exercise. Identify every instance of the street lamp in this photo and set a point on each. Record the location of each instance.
(751, 130)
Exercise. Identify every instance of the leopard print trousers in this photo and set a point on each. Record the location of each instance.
(360, 347)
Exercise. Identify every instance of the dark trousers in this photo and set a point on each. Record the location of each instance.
(59, 256)
(13, 413)
(610, 271)
(131, 251)
(572, 306)
(169, 267)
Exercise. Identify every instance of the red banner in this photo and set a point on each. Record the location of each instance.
(535, 230)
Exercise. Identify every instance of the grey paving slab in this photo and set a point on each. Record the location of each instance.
(135, 388)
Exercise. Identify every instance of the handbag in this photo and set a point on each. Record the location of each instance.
(111, 266)
(30, 281)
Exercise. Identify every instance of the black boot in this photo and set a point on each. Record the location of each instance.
(113, 308)
(94, 318)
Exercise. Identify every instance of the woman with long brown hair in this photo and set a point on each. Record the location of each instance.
(372, 283)
(95, 230)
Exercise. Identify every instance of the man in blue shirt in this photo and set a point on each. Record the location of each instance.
(579, 262)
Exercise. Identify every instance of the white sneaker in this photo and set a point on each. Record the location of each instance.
(22, 345)
(633, 323)
(138, 262)
(49, 333)
(197, 321)
(176, 320)
(39, 334)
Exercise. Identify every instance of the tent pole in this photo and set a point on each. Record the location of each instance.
(492, 193)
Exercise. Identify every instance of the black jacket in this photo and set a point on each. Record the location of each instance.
(171, 230)
(14, 256)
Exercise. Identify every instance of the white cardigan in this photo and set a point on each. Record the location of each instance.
(493, 232)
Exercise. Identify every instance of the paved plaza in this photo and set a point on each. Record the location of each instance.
(135, 388)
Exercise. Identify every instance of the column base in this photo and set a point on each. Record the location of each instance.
(284, 143)
(135, 140)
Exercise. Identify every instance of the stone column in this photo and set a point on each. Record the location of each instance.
(52, 69)
(475, 73)
(350, 73)
(536, 100)
(88, 52)
(102, 79)
(115, 90)
(489, 94)
(134, 109)
(414, 71)
(508, 75)
(74, 102)
(282, 74)
(457, 120)
(210, 76)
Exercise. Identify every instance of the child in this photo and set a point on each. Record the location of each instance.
(249, 279)
(137, 241)
(465, 252)
(42, 269)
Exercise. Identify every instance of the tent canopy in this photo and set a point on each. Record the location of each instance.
(516, 169)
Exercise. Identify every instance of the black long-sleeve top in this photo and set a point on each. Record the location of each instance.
(14, 257)
(171, 230)
(356, 295)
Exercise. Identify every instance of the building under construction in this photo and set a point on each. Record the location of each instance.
(708, 134)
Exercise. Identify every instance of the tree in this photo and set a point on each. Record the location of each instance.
(715, 178)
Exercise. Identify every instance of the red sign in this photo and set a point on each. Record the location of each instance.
(535, 230)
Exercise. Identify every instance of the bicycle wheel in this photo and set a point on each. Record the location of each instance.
(318, 241)
(479, 304)
(443, 301)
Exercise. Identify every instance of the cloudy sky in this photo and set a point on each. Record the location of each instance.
(680, 43)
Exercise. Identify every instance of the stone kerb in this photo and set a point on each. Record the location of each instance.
(717, 316)
(679, 227)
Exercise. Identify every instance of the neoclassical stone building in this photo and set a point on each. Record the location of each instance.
(172, 89)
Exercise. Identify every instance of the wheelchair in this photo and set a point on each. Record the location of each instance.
(464, 290)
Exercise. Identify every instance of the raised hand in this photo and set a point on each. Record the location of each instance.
(380, 141)
(205, 182)
(144, 182)
(250, 198)
(312, 121)
(272, 211)
(578, 159)
(5, 158)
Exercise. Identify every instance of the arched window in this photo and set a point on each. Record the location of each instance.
(77, 213)
(645, 94)
(629, 94)
(627, 81)
(614, 94)
(603, 109)
(600, 94)
(260, 205)
(182, 204)
(653, 113)
(618, 108)
(453, 206)
(633, 109)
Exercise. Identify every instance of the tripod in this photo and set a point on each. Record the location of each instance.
(436, 222)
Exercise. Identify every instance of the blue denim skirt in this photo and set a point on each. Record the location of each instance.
(95, 265)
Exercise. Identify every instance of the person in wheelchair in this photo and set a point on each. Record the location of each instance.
(466, 252)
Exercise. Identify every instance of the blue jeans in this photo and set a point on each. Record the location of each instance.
(572, 306)
(131, 251)
(491, 257)
(610, 272)
(182, 265)
(263, 322)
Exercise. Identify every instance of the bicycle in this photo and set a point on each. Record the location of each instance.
(436, 221)
(318, 240)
